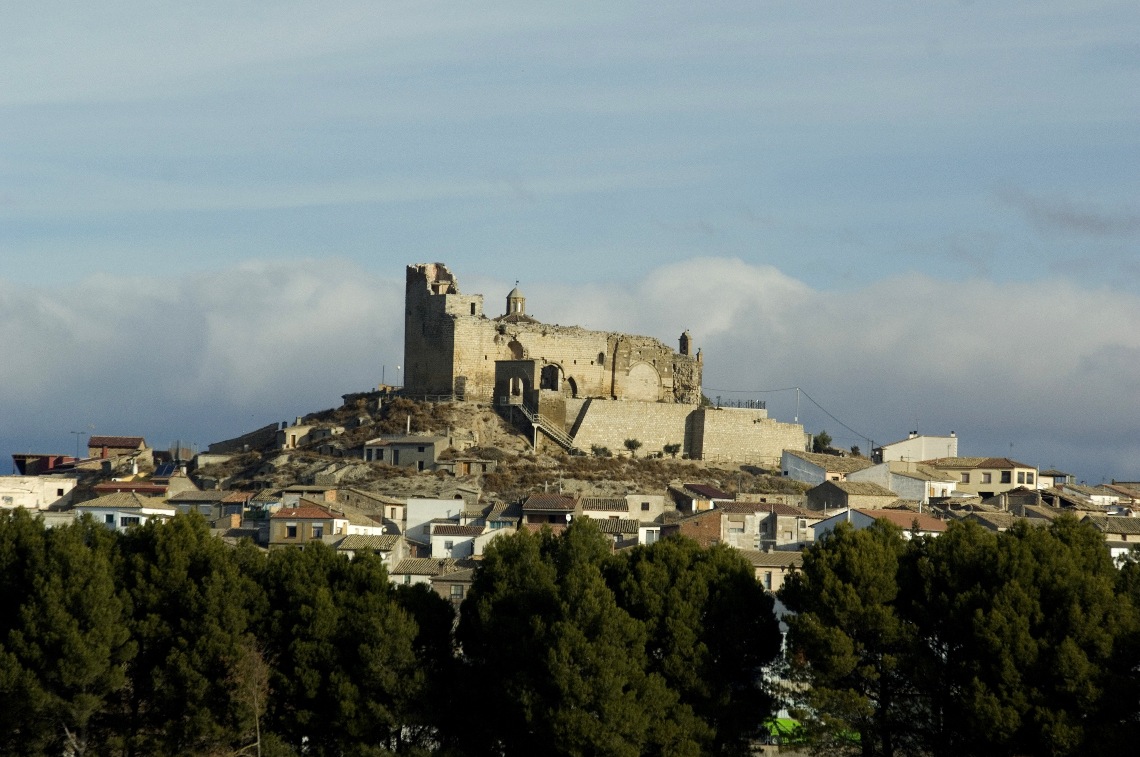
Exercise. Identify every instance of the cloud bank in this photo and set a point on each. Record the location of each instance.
(1049, 367)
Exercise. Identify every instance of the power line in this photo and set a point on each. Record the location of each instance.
(832, 417)
(805, 394)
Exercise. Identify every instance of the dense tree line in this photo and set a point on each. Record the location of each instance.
(166, 641)
(1018, 643)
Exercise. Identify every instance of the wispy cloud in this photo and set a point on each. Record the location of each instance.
(1049, 214)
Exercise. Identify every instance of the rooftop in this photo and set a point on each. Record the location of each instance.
(832, 463)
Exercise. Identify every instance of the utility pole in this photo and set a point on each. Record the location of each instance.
(77, 435)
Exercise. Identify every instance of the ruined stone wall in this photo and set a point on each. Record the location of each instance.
(743, 435)
(450, 346)
(428, 331)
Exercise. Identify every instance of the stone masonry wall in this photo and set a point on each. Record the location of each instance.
(743, 435)
(608, 423)
(450, 346)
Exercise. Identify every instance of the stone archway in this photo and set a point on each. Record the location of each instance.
(642, 383)
(572, 386)
(550, 378)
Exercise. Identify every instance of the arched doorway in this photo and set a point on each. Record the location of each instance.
(550, 378)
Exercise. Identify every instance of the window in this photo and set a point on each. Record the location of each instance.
(9, 501)
(652, 535)
(644, 507)
(1029, 477)
(408, 579)
(318, 530)
(449, 545)
(290, 530)
(420, 466)
(128, 520)
(768, 580)
(965, 478)
(457, 591)
(420, 449)
(987, 478)
(1006, 476)
(735, 530)
(59, 492)
(109, 519)
(1021, 477)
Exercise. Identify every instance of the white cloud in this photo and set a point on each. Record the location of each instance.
(1050, 367)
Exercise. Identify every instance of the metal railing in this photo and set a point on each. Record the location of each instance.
(560, 437)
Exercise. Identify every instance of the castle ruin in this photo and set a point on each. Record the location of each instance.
(580, 387)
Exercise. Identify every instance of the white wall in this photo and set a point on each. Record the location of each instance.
(799, 469)
(35, 492)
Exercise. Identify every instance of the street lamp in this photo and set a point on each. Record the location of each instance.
(398, 384)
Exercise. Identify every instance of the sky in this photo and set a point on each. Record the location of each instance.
(926, 216)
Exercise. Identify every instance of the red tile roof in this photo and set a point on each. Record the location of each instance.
(707, 491)
(305, 512)
(549, 502)
(906, 520)
(453, 530)
(117, 442)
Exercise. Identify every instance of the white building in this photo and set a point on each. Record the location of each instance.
(815, 468)
(917, 447)
(35, 492)
(123, 510)
(910, 481)
(912, 524)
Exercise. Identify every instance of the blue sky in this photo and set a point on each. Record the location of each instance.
(925, 214)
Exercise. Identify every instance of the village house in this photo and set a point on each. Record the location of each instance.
(124, 510)
(421, 570)
(453, 586)
(771, 568)
(985, 476)
(916, 447)
(107, 447)
(308, 522)
(548, 510)
(1121, 533)
(391, 508)
(391, 548)
(421, 512)
(36, 492)
(912, 523)
(815, 468)
(692, 498)
(449, 539)
(913, 482)
(834, 495)
(412, 451)
(786, 527)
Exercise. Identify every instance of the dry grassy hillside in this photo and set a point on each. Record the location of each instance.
(520, 471)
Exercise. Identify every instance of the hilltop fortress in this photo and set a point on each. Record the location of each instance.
(579, 387)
